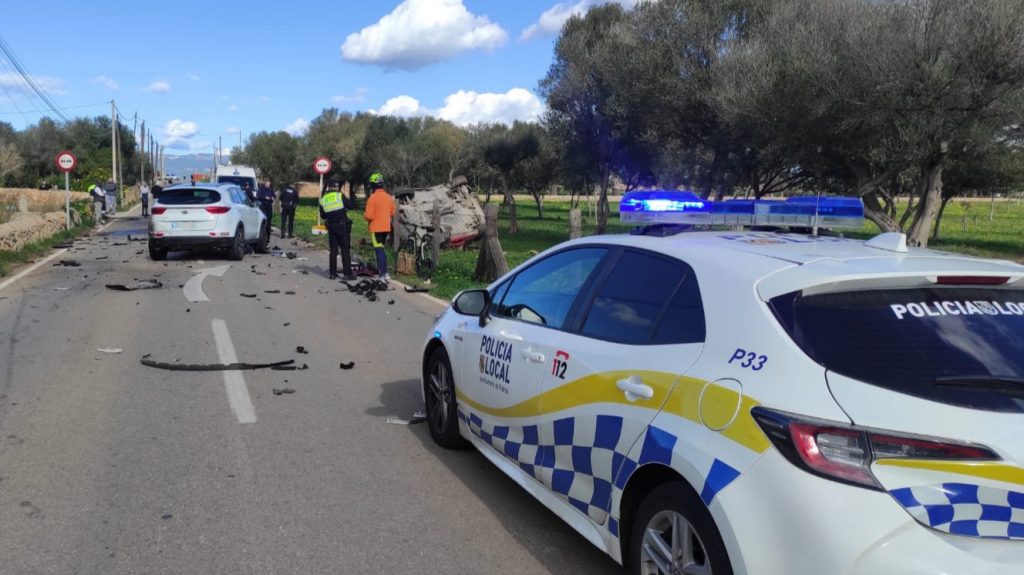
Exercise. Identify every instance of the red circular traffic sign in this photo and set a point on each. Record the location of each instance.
(66, 161)
(322, 165)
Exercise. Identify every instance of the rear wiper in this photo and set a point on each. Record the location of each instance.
(1012, 385)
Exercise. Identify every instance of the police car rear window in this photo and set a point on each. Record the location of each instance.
(188, 197)
(958, 345)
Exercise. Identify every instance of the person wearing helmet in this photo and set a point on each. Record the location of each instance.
(380, 210)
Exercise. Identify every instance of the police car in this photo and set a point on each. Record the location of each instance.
(753, 402)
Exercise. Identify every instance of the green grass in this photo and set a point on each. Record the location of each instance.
(1001, 238)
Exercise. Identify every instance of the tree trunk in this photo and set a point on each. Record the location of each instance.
(575, 224)
(539, 198)
(874, 211)
(602, 204)
(938, 217)
(491, 263)
(435, 244)
(929, 206)
(510, 202)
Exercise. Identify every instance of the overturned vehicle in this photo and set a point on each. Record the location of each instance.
(462, 218)
(461, 221)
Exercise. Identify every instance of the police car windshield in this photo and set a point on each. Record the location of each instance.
(918, 341)
(188, 197)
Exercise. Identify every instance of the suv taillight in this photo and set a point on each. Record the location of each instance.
(845, 453)
(218, 209)
(158, 211)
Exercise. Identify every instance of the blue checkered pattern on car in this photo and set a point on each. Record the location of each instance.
(588, 470)
(965, 509)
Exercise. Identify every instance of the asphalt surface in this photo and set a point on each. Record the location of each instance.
(108, 466)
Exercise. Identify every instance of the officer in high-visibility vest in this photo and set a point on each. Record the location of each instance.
(334, 207)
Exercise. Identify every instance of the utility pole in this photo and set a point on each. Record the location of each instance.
(113, 141)
(142, 152)
(220, 149)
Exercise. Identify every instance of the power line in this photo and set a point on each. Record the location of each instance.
(6, 49)
(107, 103)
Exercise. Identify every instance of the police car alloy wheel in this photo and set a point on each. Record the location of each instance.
(675, 535)
(440, 398)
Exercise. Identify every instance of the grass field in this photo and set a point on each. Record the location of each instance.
(965, 229)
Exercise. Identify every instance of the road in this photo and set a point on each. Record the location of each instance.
(108, 466)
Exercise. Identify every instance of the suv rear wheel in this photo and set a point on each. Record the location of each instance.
(156, 252)
(264, 241)
(237, 250)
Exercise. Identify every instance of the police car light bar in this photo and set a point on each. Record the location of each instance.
(681, 207)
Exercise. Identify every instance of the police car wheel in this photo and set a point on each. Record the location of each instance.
(439, 390)
(673, 533)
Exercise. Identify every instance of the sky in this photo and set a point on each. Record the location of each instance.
(198, 70)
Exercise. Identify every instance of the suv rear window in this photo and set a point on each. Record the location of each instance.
(958, 345)
(188, 197)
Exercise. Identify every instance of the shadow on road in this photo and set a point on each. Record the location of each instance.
(550, 540)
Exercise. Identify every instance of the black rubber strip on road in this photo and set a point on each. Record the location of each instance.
(213, 366)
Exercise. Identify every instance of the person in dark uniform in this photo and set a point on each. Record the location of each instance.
(265, 196)
(334, 207)
(289, 201)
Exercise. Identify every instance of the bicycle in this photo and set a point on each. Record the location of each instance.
(419, 243)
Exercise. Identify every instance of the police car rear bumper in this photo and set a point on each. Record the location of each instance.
(776, 518)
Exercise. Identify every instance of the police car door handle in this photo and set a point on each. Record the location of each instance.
(634, 388)
(532, 356)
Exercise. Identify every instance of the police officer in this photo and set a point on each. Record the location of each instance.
(289, 200)
(265, 196)
(334, 207)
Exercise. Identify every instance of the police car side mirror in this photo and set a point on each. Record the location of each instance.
(473, 303)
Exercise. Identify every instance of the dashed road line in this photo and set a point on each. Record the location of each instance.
(234, 383)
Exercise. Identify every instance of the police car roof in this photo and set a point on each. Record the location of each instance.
(779, 263)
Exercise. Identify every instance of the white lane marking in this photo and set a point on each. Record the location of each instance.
(33, 268)
(234, 383)
(193, 289)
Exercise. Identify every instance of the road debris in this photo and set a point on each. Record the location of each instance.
(148, 284)
(347, 366)
(238, 366)
(272, 291)
(301, 349)
(282, 391)
(67, 263)
(287, 323)
(417, 417)
(409, 289)
(250, 295)
(109, 349)
(61, 289)
(289, 368)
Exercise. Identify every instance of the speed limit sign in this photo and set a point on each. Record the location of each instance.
(322, 165)
(66, 161)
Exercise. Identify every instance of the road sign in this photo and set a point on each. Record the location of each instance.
(66, 161)
(322, 165)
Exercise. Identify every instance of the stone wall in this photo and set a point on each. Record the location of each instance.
(25, 228)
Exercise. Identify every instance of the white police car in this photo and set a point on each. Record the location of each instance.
(751, 402)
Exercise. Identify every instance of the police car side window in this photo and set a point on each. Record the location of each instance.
(646, 300)
(544, 292)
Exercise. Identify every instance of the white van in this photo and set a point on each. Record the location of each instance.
(242, 176)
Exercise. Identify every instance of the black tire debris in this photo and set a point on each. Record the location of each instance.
(347, 366)
(240, 366)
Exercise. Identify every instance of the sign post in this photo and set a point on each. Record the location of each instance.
(322, 166)
(66, 162)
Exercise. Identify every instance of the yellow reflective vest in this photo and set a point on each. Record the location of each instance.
(332, 202)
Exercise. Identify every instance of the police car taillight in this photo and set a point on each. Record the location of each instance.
(845, 453)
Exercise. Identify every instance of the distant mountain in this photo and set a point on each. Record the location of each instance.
(188, 164)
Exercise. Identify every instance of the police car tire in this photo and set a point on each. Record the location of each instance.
(448, 437)
(679, 497)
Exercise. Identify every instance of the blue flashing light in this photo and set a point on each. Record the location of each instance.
(681, 207)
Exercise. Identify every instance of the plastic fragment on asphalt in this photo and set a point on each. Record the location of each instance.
(67, 263)
(61, 289)
(247, 295)
(416, 289)
(301, 349)
(272, 291)
(151, 284)
(109, 349)
(282, 391)
(348, 365)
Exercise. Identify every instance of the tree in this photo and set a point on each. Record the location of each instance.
(504, 154)
(536, 174)
(274, 155)
(10, 160)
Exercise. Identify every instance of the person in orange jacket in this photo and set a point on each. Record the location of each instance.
(380, 209)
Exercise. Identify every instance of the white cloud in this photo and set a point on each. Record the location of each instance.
(464, 108)
(159, 87)
(232, 108)
(422, 32)
(181, 129)
(298, 127)
(107, 82)
(264, 99)
(358, 96)
(403, 107)
(47, 84)
(233, 130)
(193, 77)
(552, 19)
